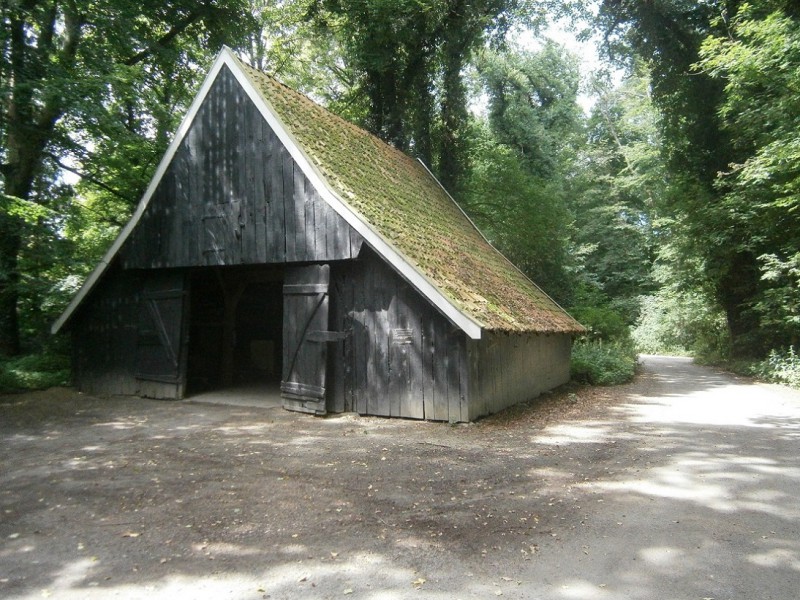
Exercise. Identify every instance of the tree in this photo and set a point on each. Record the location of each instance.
(668, 36)
(522, 158)
(621, 183)
(409, 58)
(533, 104)
(81, 77)
(758, 61)
(725, 83)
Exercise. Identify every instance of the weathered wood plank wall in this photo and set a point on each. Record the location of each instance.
(402, 357)
(509, 368)
(128, 338)
(104, 336)
(233, 195)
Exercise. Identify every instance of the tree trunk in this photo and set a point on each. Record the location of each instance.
(737, 290)
(32, 110)
(10, 244)
(452, 154)
(25, 153)
(25, 144)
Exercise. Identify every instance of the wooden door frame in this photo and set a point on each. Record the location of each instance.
(165, 285)
(232, 282)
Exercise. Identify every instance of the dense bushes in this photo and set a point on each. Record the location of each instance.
(603, 322)
(780, 367)
(606, 355)
(34, 371)
(681, 323)
(603, 363)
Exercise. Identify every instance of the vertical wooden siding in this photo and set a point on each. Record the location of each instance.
(402, 358)
(510, 368)
(233, 195)
(104, 336)
(113, 353)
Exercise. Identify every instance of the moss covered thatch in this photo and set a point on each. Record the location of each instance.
(398, 198)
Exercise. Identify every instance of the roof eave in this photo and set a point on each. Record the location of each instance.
(472, 328)
(104, 263)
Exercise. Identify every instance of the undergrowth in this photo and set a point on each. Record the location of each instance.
(34, 372)
(599, 362)
(780, 367)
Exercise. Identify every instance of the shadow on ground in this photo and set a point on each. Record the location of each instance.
(681, 485)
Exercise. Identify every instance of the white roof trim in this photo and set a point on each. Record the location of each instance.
(375, 240)
(226, 57)
(162, 168)
(471, 222)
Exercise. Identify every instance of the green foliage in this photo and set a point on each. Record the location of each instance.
(682, 316)
(617, 191)
(603, 322)
(667, 38)
(758, 59)
(780, 367)
(779, 303)
(303, 48)
(34, 371)
(603, 363)
(532, 105)
(523, 215)
(521, 156)
(682, 322)
(407, 60)
(606, 355)
(26, 211)
(92, 89)
(44, 265)
(725, 80)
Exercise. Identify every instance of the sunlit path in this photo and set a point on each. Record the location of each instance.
(681, 485)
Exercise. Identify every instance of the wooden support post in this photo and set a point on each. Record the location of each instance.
(229, 327)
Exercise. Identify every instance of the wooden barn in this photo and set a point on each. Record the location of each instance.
(278, 243)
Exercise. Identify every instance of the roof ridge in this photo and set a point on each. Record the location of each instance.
(304, 98)
(404, 203)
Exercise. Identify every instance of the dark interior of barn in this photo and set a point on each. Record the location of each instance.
(235, 328)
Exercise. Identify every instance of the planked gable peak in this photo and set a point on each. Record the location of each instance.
(233, 195)
(140, 252)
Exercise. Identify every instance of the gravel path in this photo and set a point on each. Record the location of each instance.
(683, 484)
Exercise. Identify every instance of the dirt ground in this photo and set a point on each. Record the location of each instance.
(557, 498)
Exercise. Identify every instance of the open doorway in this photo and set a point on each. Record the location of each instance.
(235, 328)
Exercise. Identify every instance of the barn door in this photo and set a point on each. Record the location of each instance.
(305, 333)
(160, 340)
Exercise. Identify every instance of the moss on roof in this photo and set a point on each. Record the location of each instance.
(397, 197)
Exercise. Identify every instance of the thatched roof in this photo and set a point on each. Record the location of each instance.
(399, 198)
(394, 202)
